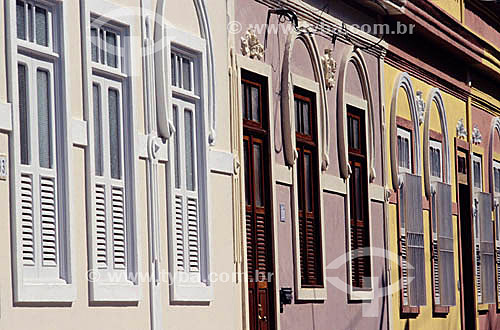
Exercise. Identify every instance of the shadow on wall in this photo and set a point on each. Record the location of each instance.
(382, 284)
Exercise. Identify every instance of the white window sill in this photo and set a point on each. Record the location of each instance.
(45, 292)
(191, 292)
(361, 295)
(311, 294)
(125, 291)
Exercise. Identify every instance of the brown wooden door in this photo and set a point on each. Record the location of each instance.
(258, 207)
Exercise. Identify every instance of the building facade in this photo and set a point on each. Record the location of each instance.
(249, 164)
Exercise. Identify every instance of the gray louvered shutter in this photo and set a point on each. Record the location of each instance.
(185, 207)
(497, 247)
(412, 204)
(445, 244)
(487, 259)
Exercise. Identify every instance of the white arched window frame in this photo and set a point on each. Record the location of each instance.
(165, 126)
(410, 216)
(42, 260)
(287, 100)
(365, 105)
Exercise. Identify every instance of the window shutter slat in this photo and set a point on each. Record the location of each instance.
(179, 232)
(101, 231)
(119, 238)
(445, 239)
(28, 231)
(487, 259)
(415, 238)
(193, 235)
(48, 221)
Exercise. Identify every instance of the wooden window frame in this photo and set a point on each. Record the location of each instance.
(359, 156)
(308, 144)
(406, 311)
(308, 293)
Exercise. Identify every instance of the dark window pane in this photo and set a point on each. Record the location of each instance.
(177, 148)
(44, 119)
(42, 31)
(31, 24)
(306, 119)
(173, 68)
(23, 114)
(94, 44)
(255, 103)
(189, 130)
(247, 172)
(111, 49)
(308, 181)
(21, 20)
(97, 130)
(355, 133)
(497, 180)
(186, 74)
(114, 133)
(477, 174)
(101, 45)
(297, 116)
(257, 163)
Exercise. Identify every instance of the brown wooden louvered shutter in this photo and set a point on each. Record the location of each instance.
(445, 245)
(412, 204)
(487, 259)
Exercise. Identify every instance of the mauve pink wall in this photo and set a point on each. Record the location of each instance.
(335, 312)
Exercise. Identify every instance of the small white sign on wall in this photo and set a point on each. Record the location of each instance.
(282, 213)
(3, 167)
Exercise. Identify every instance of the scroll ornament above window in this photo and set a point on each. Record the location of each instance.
(477, 138)
(287, 99)
(329, 68)
(461, 131)
(251, 45)
(355, 57)
(403, 82)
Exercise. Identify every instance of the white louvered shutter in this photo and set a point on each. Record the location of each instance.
(414, 238)
(37, 178)
(186, 200)
(446, 264)
(487, 259)
(110, 225)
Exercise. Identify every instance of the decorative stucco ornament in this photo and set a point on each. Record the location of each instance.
(251, 45)
(461, 131)
(477, 138)
(420, 108)
(329, 68)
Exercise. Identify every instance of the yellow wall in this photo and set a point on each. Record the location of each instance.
(455, 110)
(452, 7)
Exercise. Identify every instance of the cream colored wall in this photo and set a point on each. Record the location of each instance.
(224, 312)
(455, 110)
